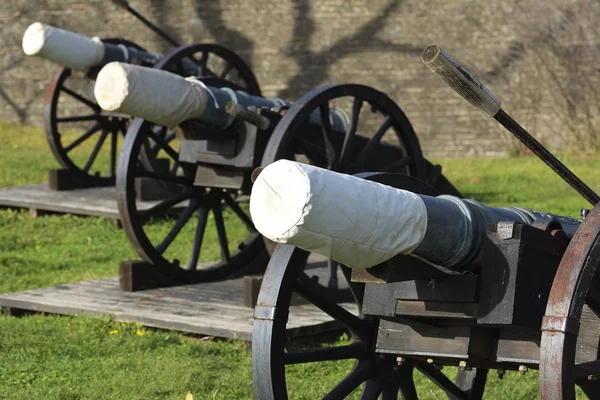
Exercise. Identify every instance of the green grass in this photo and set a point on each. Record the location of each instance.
(51, 357)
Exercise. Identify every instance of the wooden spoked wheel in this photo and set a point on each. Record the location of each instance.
(368, 374)
(211, 61)
(573, 293)
(84, 139)
(172, 233)
(377, 136)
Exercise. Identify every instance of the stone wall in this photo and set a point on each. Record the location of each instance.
(295, 45)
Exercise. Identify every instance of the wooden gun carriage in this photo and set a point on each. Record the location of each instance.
(527, 300)
(207, 172)
(73, 119)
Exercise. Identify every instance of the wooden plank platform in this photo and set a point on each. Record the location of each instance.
(214, 309)
(99, 201)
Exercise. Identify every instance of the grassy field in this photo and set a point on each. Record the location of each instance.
(50, 357)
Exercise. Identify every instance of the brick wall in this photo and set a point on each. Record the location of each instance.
(295, 45)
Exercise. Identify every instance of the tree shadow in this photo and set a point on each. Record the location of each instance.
(212, 11)
(517, 50)
(160, 15)
(315, 66)
(14, 60)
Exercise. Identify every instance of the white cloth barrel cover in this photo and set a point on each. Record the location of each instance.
(155, 95)
(62, 47)
(354, 221)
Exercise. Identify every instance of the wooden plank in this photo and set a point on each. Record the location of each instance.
(99, 201)
(522, 346)
(436, 309)
(215, 309)
(589, 332)
(518, 345)
(417, 339)
(65, 179)
(135, 275)
(251, 289)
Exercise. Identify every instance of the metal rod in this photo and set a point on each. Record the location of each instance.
(154, 28)
(544, 154)
(465, 84)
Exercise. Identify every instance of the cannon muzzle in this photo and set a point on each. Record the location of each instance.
(461, 80)
(77, 51)
(155, 95)
(361, 223)
(63, 47)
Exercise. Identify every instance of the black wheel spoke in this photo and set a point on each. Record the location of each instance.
(333, 278)
(327, 131)
(222, 235)
(314, 153)
(166, 204)
(124, 127)
(82, 99)
(184, 217)
(351, 132)
(359, 374)
(582, 371)
(174, 168)
(390, 392)
(406, 384)
(191, 58)
(169, 137)
(83, 137)
(198, 237)
(80, 118)
(226, 70)
(396, 165)
(95, 151)
(164, 145)
(591, 388)
(113, 153)
(240, 213)
(472, 382)
(356, 350)
(372, 143)
(154, 150)
(202, 63)
(442, 381)
(179, 70)
(313, 292)
(372, 389)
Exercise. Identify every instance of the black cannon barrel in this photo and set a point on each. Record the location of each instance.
(168, 99)
(361, 223)
(127, 54)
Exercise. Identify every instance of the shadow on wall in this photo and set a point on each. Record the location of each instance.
(211, 10)
(315, 66)
(22, 100)
(14, 60)
(160, 16)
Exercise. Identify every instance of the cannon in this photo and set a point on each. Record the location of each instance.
(437, 280)
(73, 120)
(226, 133)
